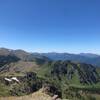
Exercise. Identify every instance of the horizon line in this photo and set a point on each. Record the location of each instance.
(30, 51)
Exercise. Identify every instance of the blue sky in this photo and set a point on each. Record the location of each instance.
(50, 25)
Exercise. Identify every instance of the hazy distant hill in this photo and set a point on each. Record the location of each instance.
(90, 55)
(83, 57)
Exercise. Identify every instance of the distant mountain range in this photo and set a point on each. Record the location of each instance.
(88, 58)
(9, 56)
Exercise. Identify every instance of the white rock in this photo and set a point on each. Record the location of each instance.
(54, 97)
(7, 79)
(15, 79)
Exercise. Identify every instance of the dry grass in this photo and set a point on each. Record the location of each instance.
(18, 68)
(35, 96)
(97, 96)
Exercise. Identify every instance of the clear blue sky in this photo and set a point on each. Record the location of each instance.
(50, 25)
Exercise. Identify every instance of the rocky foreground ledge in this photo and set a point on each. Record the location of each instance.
(39, 95)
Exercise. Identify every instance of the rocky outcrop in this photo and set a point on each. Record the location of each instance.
(86, 73)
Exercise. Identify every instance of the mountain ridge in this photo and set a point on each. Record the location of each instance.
(88, 58)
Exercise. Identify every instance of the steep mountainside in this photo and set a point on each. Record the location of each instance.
(19, 68)
(71, 72)
(72, 78)
(13, 56)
